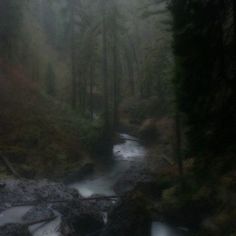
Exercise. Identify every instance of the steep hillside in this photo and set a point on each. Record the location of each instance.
(39, 135)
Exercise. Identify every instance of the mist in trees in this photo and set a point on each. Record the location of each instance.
(81, 79)
(96, 49)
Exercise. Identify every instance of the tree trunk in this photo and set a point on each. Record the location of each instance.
(91, 85)
(85, 92)
(73, 57)
(130, 72)
(115, 75)
(234, 15)
(105, 71)
(131, 78)
(222, 39)
(107, 131)
(234, 22)
(178, 144)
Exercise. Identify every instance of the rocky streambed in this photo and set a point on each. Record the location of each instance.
(88, 204)
(44, 208)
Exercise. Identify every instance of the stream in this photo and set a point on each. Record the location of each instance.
(126, 155)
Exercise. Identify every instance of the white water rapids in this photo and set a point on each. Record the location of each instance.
(125, 155)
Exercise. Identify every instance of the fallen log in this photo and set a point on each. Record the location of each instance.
(100, 198)
(33, 203)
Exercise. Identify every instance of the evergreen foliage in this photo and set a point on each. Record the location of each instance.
(205, 74)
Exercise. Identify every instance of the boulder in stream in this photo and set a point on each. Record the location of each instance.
(81, 174)
(16, 192)
(131, 178)
(38, 213)
(81, 217)
(129, 217)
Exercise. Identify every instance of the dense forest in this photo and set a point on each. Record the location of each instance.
(117, 117)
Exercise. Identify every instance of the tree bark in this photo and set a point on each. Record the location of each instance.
(105, 71)
(178, 143)
(115, 74)
(91, 85)
(234, 22)
(130, 72)
(33, 203)
(73, 55)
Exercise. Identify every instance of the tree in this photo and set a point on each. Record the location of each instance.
(205, 87)
(72, 7)
(115, 64)
(10, 25)
(50, 81)
(107, 126)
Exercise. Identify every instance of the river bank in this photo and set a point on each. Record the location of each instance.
(60, 205)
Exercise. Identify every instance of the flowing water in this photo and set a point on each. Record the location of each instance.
(124, 154)
(127, 154)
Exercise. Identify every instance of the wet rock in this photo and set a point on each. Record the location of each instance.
(78, 217)
(54, 191)
(17, 191)
(2, 185)
(128, 218)
(66, 230)
(103, 205)
(148, 131)
(83, 217)
(87, 170)
(131, 178)
(86, 224)
(38, 213)
(14, 230)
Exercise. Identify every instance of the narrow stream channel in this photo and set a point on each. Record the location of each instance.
(127, 154)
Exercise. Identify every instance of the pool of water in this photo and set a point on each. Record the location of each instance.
(124, 155)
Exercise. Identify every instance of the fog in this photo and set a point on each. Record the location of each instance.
(117, 117)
